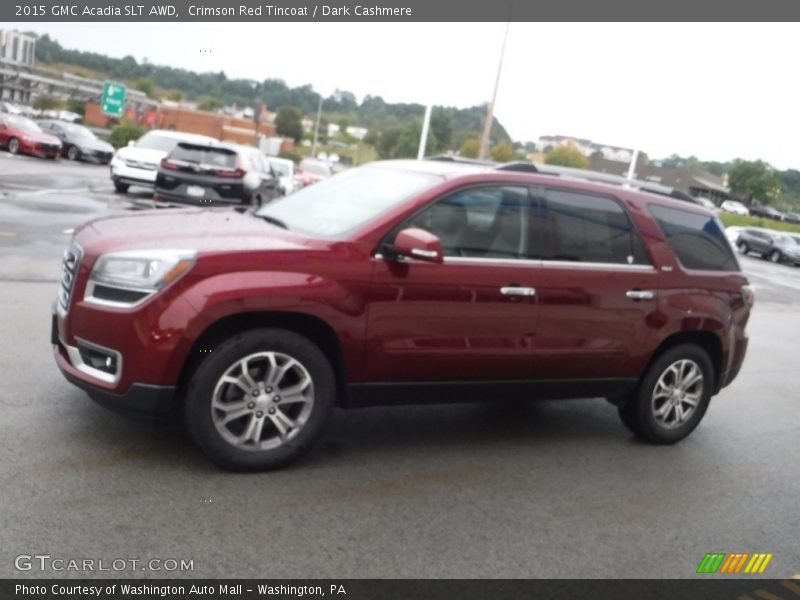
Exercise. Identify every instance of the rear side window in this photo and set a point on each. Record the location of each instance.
(583, 227)
(697, 240)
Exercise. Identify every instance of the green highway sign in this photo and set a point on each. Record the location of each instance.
(113, 101)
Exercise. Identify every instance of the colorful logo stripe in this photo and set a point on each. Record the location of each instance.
(722, 562)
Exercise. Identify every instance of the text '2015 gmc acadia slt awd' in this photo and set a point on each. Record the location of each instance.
(402, 282)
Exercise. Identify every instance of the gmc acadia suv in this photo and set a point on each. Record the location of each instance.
(403, 282)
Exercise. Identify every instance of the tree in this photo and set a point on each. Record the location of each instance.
(442, 127)
(502, 152)
(754, 180)
(147, 86)
(175, 96)
(470, 148)
(566, 156)
(47, 103)
(289, 123)
(124, 132)
(210, 104)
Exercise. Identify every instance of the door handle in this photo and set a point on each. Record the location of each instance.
(640, 294)
(517, 291)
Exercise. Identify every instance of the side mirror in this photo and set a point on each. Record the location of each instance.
(131, 143)
(419, 244)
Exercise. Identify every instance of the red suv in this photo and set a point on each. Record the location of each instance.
(403, 282)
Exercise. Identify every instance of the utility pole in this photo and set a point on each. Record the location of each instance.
(632, 166)
(487, 125)
(423, 139)
(316, 129)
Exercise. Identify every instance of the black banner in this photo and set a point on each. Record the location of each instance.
(366, 589)
(394, 10)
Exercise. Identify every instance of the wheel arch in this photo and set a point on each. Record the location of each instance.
(312, 327)
(707, 340)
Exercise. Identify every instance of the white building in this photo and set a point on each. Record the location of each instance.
(17, 47)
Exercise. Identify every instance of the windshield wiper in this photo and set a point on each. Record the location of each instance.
(272, 220)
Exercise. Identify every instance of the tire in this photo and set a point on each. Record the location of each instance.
(258, 439)
(73, 153)
(120, 187)
(13, 145)
(775, 256)
(743, 248)
(656, 415)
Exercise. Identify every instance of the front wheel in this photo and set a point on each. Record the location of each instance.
(13, 145)
(775, 256)
(73, 153)
(120, 187)
(260, 400)
(672, 397)
(743, 249)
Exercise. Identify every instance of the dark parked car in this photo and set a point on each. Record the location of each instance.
(766, 211)
(216, 175)
(20, 135)
(773, 245)
(78, 142)
(403, 282)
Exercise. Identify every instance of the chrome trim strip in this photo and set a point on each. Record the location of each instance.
(77, 361)
(89, 297)
(552, 264)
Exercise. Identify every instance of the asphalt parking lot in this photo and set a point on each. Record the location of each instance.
(519, 490)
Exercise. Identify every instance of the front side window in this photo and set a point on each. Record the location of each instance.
(698, 240)
(587, 228)
(479, 222)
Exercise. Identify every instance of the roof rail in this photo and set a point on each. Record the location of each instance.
(460, 159)
(522, 167)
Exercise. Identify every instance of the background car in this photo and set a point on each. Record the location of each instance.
(137, 163)
(78, 142)
(216, 174)
(792, 217)
(312, 170)
(732, 233)
(21, 135)
(285, 171)
(766, 211)
(737, 208)
(772, 245)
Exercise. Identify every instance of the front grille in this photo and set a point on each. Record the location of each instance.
(48, 147)
(69, 273)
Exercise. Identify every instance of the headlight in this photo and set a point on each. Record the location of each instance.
(127, 278)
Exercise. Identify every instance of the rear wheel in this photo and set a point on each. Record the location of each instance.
(672, 397)
(13, 145)
(260, 400)
(120, 187)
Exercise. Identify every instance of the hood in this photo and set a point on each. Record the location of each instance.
(41, 137)
(208, 230)
(93, 144)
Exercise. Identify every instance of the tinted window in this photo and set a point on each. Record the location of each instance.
(697, 240)
(484, 222)
(205, 155)
(587, 228)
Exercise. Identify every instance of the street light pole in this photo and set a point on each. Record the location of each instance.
(487, 125)
(316, 129)
(423, 139)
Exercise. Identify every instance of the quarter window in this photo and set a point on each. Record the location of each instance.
(697, 240)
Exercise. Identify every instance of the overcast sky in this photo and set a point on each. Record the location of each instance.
(718, 91)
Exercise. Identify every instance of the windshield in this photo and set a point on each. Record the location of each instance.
(280, 169)
(79, 132)
(23, 124)
(345, 202)
(154, 141)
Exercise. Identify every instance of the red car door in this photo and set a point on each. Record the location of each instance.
(596, 289)
(471, 318)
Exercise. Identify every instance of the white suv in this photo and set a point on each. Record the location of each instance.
(737, 208)
(137, 163)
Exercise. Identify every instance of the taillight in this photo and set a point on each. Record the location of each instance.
(749, 295)
(238, 172)
(168, 165)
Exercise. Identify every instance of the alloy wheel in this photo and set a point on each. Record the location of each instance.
(677, 393)
(262, 401)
